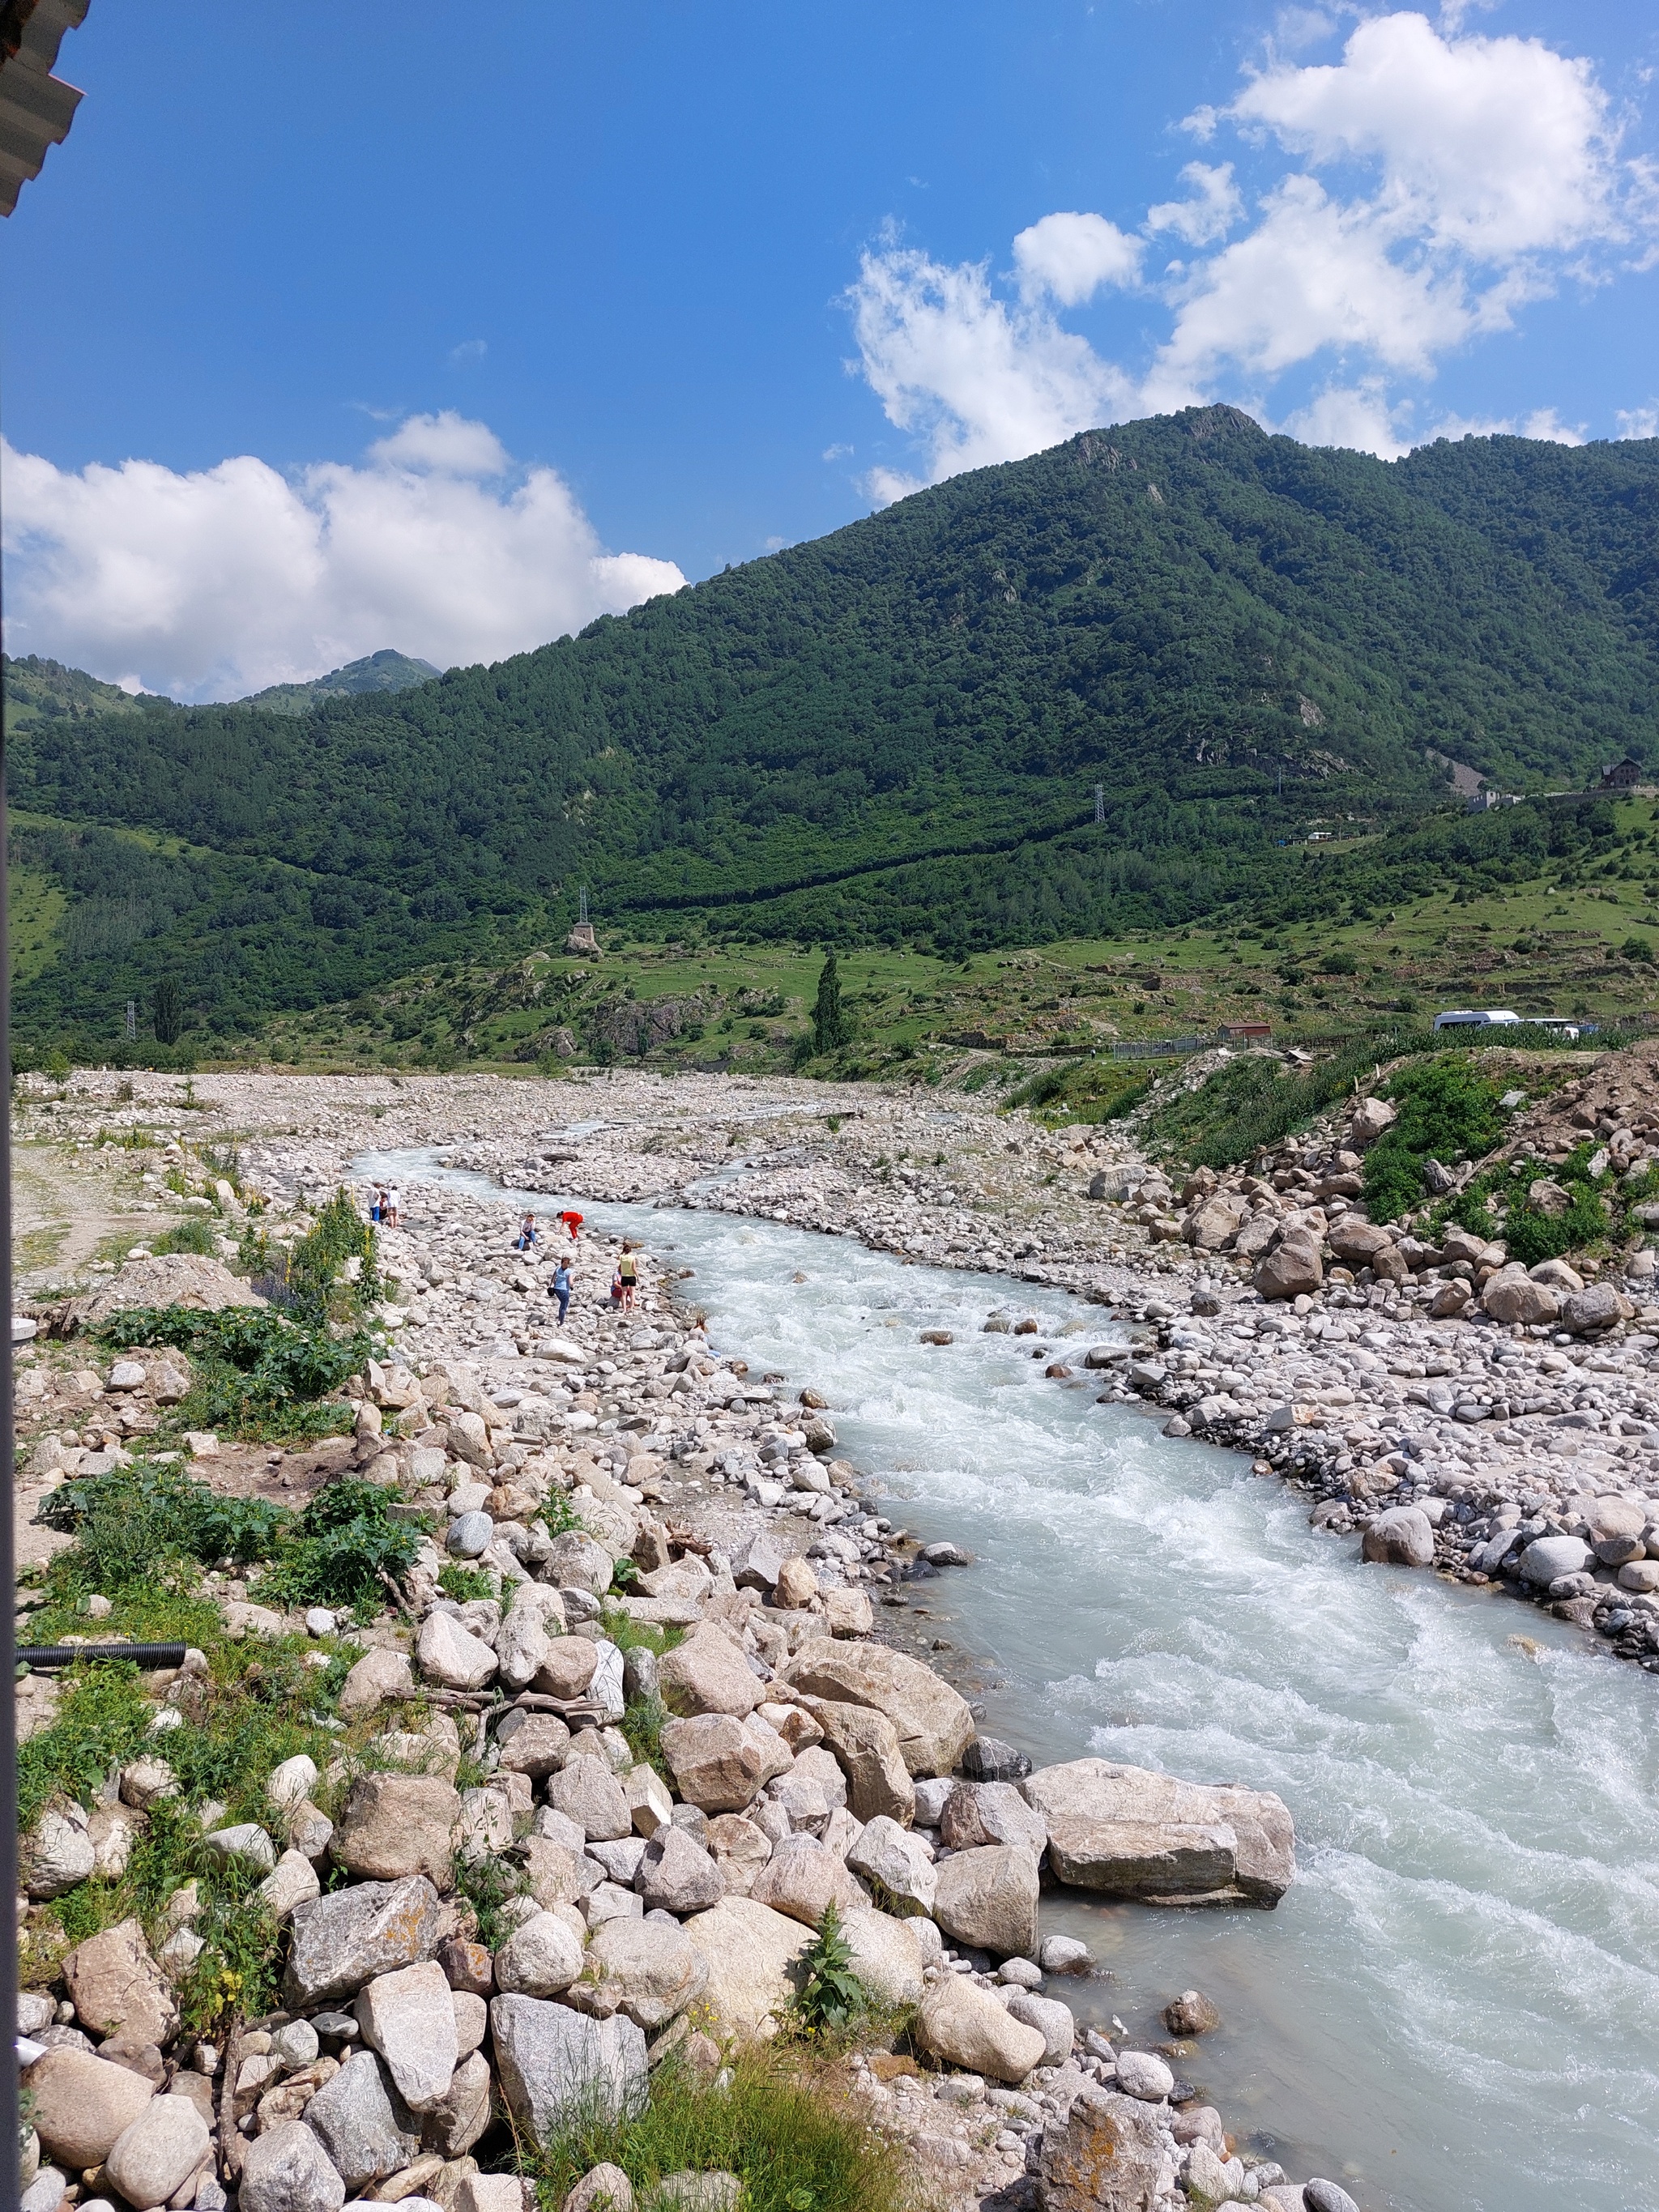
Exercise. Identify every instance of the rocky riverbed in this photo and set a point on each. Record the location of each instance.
(809, 1760)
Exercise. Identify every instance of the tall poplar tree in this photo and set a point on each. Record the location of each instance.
(831, 1028)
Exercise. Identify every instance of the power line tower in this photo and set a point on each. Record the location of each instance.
(581, 908)
(132, 1018)
(1100, 805)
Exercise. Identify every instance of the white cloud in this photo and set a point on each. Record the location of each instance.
(216, 582)
(1639, 421)
(1069, 257)
(1214, 206)
(1356, 415)
(1496, 146)
(974, 379)
(1544, 423)
(1424, 187)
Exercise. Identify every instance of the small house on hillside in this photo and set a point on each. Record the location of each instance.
(1246, 1032)
(1621, 775)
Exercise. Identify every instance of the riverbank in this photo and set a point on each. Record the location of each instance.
(744, 1534)
(1375, 1394)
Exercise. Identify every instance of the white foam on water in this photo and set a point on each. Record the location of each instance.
(1457, 2004)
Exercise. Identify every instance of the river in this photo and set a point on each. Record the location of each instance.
(1457, 2003)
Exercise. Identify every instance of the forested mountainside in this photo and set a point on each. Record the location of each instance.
(898, 729)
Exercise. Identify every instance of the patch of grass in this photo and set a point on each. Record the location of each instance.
(785, 2127)
(464, 1584)
(193, 1236)
(101, 1721)
(146, 1612)
(486, 1884)
(642, 1724)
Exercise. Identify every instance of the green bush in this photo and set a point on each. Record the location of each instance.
(101, 1721)
(345, 1541)
(1447, 1112)
(832, 1997)
(258, 1372)
(154, 1525)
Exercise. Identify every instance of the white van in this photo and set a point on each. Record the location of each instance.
(1463, 1018)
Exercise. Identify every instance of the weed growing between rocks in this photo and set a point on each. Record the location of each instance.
(1447, 1112)
(258, 1374)
(100, 1724)
(779, 2121)
(188, 1237)
(831, 1996)
(344, 1548)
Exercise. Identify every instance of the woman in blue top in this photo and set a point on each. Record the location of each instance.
(559, 1288)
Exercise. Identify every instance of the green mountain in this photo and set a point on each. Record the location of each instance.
(385, 670)
(897, 732)
(45, 690)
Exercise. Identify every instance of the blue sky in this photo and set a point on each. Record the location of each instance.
(447, 328)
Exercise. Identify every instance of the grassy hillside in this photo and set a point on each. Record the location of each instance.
(894, 735)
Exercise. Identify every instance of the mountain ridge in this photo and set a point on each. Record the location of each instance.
(894, 732)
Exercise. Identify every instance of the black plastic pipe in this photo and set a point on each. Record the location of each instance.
(66, 1655)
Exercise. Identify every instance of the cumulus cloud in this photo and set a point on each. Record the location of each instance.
(1213, 206)
(975, 379)
(1069, 257)
(1410, 200)
(216, 582)
(1639, 421)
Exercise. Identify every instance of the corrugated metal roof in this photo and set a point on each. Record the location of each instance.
(36, 109)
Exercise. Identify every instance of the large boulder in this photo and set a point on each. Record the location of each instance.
(978, 1813)
(537, 1748)
(867, 1746)
(677, 1875)
(118, 1989)
(156, 2153)
(896, 1861)
(1052, 2020)
(362, 2123)
(1399, 1536)
(579, 1561)
(739, 1849)
(802, 1877)
(753, 1956)
(556, 2064)
(888, 1957)
(717, 1765)
(646, 1968)
(452, 1655)
(396, 1825)
(1358, 1244)
(1293, 1269)
(540, 1958)
(288, 2170)
(932, 1721)
(987, 1896)
(1541, 1562)
(1212, 1224)
(586, 1791)
(344, 1939)
(378, 1678)
(82, 2104)
(1132, 1833)
(966, 2026)
(409, 2018)
(709, 1672)
(1597, 1306)
(1107, 2156)
(1512, 1296)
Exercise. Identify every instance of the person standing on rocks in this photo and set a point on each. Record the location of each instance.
(392, 1211)
(627, 1274)
(561, 1287)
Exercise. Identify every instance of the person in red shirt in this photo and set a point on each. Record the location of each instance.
(573, 1222)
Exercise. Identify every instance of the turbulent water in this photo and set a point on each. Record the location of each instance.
(1457, 2004)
